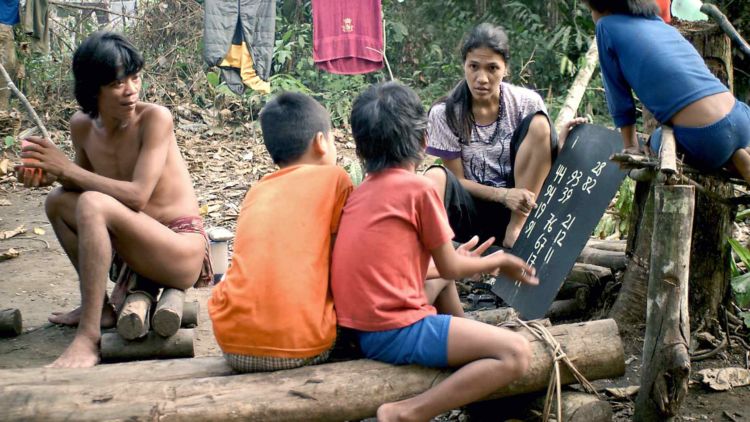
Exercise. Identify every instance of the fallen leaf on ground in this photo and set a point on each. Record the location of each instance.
(39, 231)
(9, 254)
(5, 203)
(724, 379)
(8, 234)
(623, 392)
(4, 165)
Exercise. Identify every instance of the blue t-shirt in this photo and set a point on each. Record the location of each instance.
(654, 60)
(9, 12)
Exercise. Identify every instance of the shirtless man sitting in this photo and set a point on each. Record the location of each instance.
(128, 191)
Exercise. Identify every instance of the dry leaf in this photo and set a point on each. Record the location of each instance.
(203, 210)
(4, 165)
(9, 254)
(5, 203)
(725, 378)
(39, 231)
(8, 234)
(623, 392)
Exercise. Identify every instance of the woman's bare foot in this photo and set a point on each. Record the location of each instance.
(83, 352)
(73, 317)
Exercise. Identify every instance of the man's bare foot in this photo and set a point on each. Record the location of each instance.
(73, 317)
(83, 352)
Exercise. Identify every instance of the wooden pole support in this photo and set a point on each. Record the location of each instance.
(168, 315)
(190, 312)
(666, 359)
(132, 323)
(153, 346)
(10, 322)
(667, 151)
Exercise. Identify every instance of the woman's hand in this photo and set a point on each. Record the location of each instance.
(519, 200)
(39, 153)
(568, 126)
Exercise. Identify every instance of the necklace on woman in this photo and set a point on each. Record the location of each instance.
(493, 137)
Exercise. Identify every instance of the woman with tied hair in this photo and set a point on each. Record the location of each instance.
(640, 53)
(496, 142)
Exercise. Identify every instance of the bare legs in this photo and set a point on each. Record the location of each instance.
(149, 247)
(492, 357)
(442, 294)
(741, 162)
(532, 165)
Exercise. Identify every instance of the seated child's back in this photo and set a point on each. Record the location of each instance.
(275, 300)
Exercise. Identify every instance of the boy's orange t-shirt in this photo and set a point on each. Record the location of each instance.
(275, 299)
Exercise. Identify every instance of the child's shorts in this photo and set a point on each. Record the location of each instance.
(247, 363)
(710, 147)
(423, 343)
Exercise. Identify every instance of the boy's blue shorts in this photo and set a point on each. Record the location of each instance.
(710, 147)
(423, 343)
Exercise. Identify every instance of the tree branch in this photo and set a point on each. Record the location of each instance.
(25, 103)
(93, 8)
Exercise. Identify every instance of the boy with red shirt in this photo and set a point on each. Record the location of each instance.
(391, 226)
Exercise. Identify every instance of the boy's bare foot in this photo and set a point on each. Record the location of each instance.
(392, 412)
(83, 352)
(73, 317)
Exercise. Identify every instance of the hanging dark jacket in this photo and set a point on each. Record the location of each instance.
(257, 23)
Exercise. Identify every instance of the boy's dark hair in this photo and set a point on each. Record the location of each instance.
(389, 126)
(103, 57)
(645, 8)
(458, 107)
(289, 123)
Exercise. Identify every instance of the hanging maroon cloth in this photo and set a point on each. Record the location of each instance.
(347, 36)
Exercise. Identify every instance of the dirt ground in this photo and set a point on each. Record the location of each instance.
(41, 280)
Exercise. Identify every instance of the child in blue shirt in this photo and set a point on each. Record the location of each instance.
(640, 53)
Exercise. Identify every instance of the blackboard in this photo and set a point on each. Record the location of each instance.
(580, 186)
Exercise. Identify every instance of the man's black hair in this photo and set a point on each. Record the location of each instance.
(289, 123)
(645, 8)
(389, 126)
(102, 58)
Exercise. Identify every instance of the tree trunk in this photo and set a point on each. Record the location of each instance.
(629, 308)
(666, 359)
(332, 392)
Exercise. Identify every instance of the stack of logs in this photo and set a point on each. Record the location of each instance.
(583, 287)
(142, 336)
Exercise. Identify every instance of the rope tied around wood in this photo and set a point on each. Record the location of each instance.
(554, 388)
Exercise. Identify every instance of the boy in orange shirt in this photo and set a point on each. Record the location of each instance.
(274, 309)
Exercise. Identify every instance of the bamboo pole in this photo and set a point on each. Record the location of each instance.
(575, 94)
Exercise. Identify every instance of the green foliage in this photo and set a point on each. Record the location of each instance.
(356, 173)
(9, 141)
(741, 282)
(615, 220)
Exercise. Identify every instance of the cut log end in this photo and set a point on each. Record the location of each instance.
(168, 315)
(133, 322)
(10, 322)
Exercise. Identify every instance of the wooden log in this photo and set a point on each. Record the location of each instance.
(331, 392)
(133, 321)
(666, 359)
(608, 245)
(168, 315)
(565, 309)
(493, 316)
(190, 312)
(153, 346)
(592, 277)
(10, 322)
(616, 261)
(576, 407)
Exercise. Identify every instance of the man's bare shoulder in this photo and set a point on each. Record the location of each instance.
(80, 125)
(154, 114)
